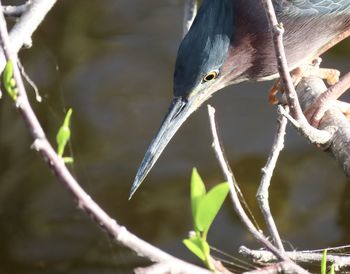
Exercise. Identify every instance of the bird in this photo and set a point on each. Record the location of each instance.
(230, 41)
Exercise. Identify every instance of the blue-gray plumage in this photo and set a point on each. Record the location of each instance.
(209, 46)
(230, 42)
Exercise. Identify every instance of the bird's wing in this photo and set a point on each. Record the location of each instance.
(312, 7)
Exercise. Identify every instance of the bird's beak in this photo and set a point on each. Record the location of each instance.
(179, 111)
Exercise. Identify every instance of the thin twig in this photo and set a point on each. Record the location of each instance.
(16, 11)
(118, 233)
(314, 135)
(267, 171)
(264, 256)
(23, 30)
(190, 12)
(30, 82)
(277, 31)
(235, 200)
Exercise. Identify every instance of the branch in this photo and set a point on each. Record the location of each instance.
(117, 232)
(333, 121)
(314, 135)
(16, 11)
(267, 171)
(263, 256)
(23, 30)
(235, 200)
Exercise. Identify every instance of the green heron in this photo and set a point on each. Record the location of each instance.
(230, 42)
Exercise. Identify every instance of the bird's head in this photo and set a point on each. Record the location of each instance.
(199, 72)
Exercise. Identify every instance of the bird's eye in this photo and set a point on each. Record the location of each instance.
(210, 76)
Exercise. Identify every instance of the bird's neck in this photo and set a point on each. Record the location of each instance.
(250, 29)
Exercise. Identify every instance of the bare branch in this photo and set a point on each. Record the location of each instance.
(23, 30)
(118, 233)
(314, 135)
(267, 171)
(235, 200)
(333, 121)
(16, 11)
(263, 256)
(30, 81)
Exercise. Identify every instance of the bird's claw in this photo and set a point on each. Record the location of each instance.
(296, 74)
(330, 75)
(273, 92)
(316, 111)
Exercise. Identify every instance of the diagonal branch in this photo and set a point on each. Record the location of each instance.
(258, 235)
(333, 121)
(16, 11)
(267, 171)
(117, 232)
(23, 30)
(314, 135)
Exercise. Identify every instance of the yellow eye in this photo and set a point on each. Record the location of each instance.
(210, 76)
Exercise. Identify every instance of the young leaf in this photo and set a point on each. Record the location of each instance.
(332, 270)
(197, 192)
(194, 245)
(209, 206)
(63, 134)
(324, 262)
(8, 81)
(68, 160)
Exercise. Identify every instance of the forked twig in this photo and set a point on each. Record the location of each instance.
(23, 30)
(234, 197)
(315, 136)
(267, 171)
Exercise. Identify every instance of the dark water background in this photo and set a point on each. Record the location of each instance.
(112, 61)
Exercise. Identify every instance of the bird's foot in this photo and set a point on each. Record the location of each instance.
(296, 74)
(273, 92)
(330, 75)
(315, 112)
(328, 99)
(310, 70)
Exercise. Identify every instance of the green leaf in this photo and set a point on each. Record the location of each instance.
(195, 246)
(8, 81)
(324, 262)
(209, 206)
(332, 270)
(68, 160)
(8, 73)
(197, 193)
(63, 134)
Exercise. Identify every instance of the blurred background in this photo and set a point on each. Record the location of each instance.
(112, 62)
